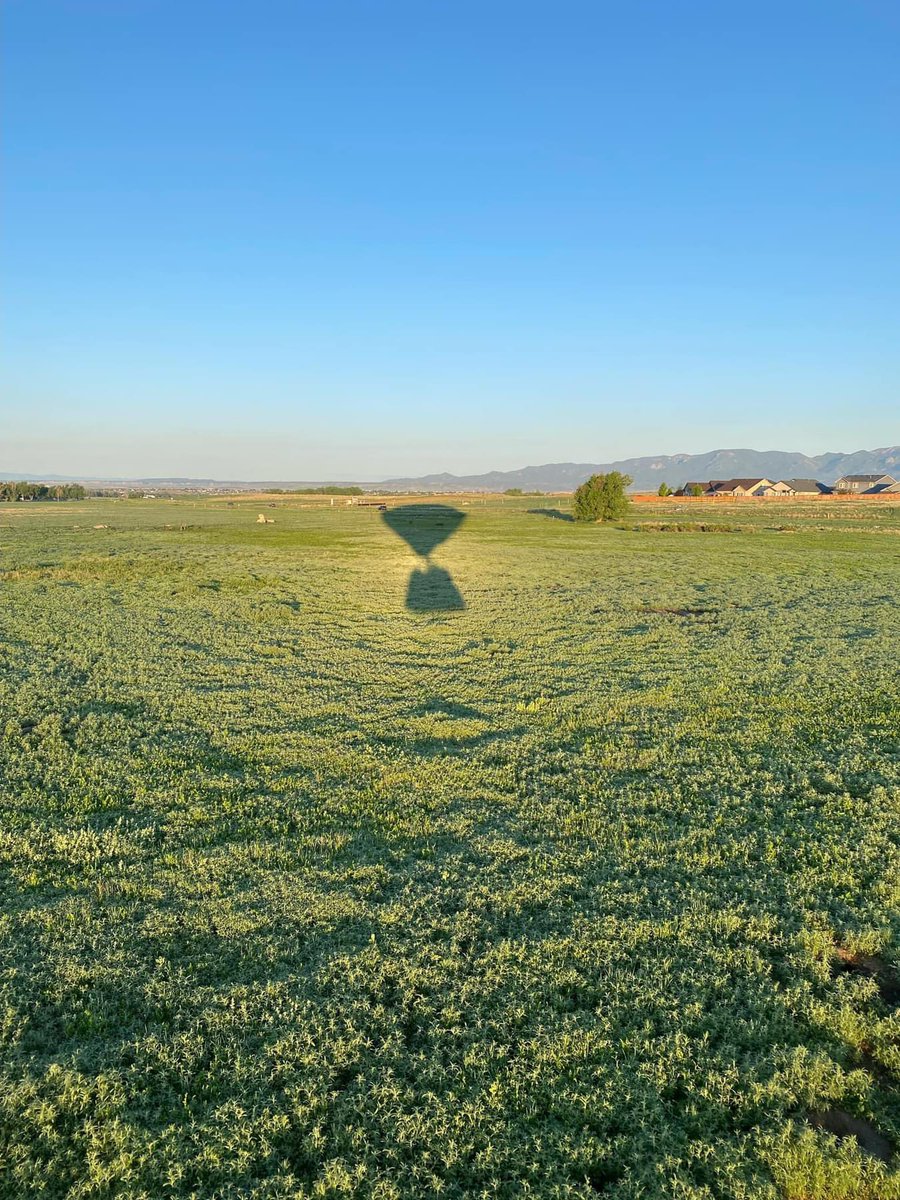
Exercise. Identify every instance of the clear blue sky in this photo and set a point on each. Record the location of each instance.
(280, 239)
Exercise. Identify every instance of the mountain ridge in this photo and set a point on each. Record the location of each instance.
(647, 472)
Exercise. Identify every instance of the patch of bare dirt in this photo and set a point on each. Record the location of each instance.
(843, 1125)
(853, 962)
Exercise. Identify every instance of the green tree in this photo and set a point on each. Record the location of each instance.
(602, 497)
(664, 489)
(12, 490)
(330, 489)
(696, 489)
(513, 492)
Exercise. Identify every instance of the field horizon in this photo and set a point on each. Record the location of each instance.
(647, 471)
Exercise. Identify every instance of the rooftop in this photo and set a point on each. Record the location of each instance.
(866, 478)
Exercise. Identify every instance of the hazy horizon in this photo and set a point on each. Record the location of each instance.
(347, 477)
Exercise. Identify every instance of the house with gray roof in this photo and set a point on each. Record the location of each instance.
(737, 487)
(749, 487)
(808, 487)
(694, 488)
(864, 485)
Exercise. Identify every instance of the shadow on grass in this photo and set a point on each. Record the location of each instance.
(449, 708)
(424, 527)
(556, 513)
(433, 591)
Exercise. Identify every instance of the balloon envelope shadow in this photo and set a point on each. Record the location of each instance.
(424, 527)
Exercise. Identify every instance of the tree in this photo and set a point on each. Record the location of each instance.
(602, 497)
(664, 489)
(696, 490)
(513, 492)
(11, 490)
(329, 489)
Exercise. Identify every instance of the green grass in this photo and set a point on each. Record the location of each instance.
(306, 894)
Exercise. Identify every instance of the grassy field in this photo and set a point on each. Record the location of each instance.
(586, 888)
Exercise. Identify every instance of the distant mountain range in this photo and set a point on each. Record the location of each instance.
(647, 473)
(673, 469)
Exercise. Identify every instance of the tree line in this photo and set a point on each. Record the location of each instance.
(21, 490)
(331, 489)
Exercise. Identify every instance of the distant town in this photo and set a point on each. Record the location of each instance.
(855, 485)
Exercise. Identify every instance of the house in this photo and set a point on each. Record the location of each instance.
(808, 487)
(864, 485)
(693, 489)
(737, 487)
(749, 487)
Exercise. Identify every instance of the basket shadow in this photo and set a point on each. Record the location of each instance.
(433, 591)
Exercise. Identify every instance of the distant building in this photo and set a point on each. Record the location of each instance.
(808, 487)
(864, 484)
(737, 487)
(749, 487)
(693, 489)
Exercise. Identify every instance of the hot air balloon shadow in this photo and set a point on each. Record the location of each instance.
(424, 527)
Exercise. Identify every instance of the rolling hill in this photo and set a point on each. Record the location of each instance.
(674, 469)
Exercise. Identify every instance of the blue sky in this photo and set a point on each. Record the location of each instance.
(300, 240)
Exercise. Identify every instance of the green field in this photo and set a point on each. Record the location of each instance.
(588, 888)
